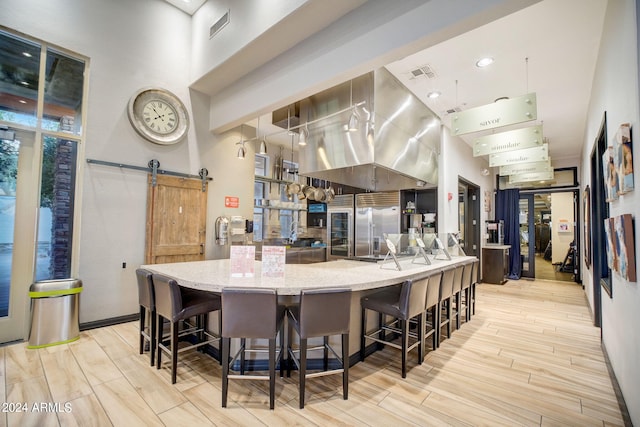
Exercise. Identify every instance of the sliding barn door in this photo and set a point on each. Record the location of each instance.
(176, 220)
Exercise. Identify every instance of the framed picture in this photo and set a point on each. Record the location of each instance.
(586, 206)
(625, 247)
(624, 159)
(610, 175)
(612, 261)
(563, 226)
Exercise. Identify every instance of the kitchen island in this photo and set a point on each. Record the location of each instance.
(360, 277)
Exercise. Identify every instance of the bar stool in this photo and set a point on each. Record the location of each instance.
(457, 291)
(146, 300)
(432, 303)
(255, 314)
(177, 305)
(465, 305)
(474, 281)
(402, 303)
(446, 300)
(321, 313)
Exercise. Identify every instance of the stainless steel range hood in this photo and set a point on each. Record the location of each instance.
(395, 146)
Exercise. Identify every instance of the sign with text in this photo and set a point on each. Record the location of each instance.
(501, 113)
(533, 176)
(273, 261)
(528, 155)
(242, 260)
(508, 141)
(231, 202)
(520, 168)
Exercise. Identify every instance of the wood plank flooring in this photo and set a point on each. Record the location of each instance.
(530, 356)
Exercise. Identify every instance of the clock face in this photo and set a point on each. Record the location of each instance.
(158, 116)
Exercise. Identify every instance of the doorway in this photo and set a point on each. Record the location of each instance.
(548, 235)
(469, 217)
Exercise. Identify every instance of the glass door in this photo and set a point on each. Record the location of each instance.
(19, 173)
(527, 235)
(339, 231)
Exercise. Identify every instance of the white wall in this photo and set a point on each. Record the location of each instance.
(615, 90)
(457, 161)
(561, 211)
(127, 52)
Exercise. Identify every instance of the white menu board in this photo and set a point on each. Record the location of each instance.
(273, 261)
(242, 261)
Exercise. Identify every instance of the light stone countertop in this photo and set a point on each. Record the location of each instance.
(214, 275)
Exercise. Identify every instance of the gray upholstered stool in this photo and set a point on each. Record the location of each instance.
(321, 313)
(446, 301)
(147, 302)
(402, 303)
(432, 304)
(465, 295)
(176, 305)
(457, 292)
(254, 314)
(475, 271)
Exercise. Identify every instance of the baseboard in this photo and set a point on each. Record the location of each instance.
(616, 388)
(109, 322)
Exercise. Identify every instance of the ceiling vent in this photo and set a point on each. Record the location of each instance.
(219, 25)
(424, 71)
(453, 110)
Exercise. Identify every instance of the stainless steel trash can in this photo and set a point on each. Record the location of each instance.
(55, 306)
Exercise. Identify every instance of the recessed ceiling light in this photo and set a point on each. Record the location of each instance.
(433, 95)
(484, 62)
(27, 54)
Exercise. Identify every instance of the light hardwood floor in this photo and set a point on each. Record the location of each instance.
(530, 356)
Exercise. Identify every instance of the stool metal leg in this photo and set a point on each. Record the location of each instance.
(272, 372)
(225, 343)
(345, 366)
(303, 369)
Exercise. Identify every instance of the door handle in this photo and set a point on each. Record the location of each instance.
(201, 248)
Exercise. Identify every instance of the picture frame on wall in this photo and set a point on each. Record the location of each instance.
(610, 241)
(586, 206)
(624, 158)
(610, 175)
(625, 247)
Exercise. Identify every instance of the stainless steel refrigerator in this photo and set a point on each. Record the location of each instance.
(340, 227)
(375, 215)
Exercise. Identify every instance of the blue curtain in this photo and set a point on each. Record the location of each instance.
(508, 210)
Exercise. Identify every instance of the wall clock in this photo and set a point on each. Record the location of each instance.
(158, 116)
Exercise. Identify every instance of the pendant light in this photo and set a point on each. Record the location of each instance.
(352, 125)
(263, 142)
(304, 132)
(241, 150)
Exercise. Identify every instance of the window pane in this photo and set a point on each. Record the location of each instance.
(55, 225)
(19, 75)
(8, 174)
(63, 93)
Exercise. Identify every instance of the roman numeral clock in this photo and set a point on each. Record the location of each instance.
(158, 116)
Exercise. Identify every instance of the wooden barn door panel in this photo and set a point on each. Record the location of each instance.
(176, 220)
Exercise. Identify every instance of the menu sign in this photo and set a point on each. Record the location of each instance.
(242, 261)
(273, 261)
(494, 115)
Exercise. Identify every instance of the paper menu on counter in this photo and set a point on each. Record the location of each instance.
(273, 261)
(242, 261)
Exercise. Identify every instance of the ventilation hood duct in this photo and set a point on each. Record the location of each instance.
(395, 146)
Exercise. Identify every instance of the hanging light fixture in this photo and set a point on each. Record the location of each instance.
(241, 151)
(263, 142)
(352, 125)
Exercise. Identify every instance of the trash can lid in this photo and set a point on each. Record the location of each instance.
(49, 288)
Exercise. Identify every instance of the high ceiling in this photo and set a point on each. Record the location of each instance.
(549, 48)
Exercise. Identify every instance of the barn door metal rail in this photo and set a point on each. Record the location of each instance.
(153, 167)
